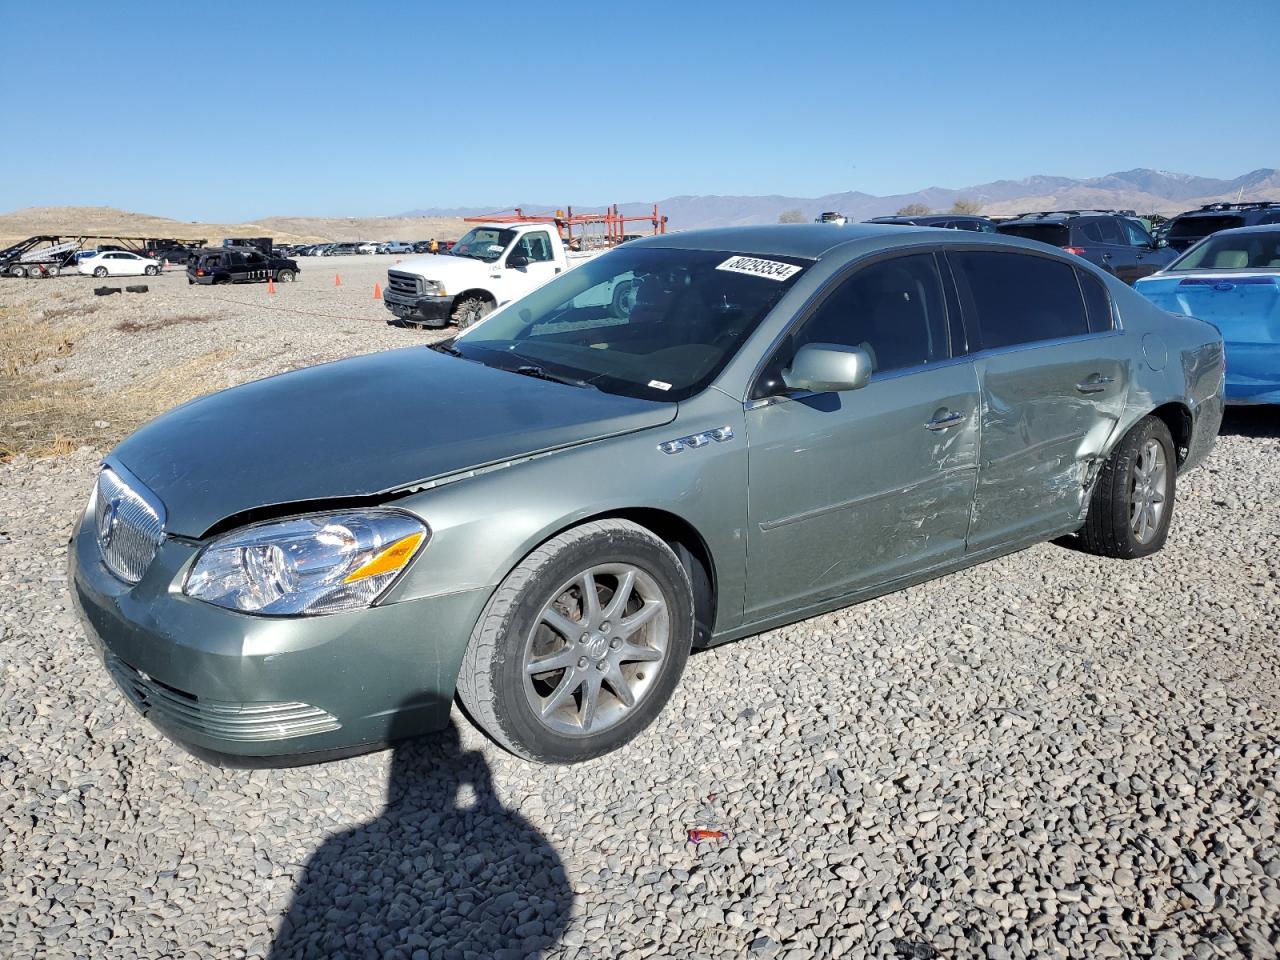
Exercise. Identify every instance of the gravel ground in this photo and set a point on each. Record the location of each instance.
(1050, 755)
(305, 322)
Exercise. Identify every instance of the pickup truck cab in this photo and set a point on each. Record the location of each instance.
(492, 264)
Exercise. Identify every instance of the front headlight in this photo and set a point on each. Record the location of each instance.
(433, 288)
(322, 563)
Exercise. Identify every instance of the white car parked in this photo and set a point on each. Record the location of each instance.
(118, 263)
(369, 246)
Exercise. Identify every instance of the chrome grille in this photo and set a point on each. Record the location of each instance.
(129, 522)
(224, 719)
(406, 283)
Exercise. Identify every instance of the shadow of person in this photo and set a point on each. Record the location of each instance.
(445, 871)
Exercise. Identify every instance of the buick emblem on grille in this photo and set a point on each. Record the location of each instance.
(107, 522)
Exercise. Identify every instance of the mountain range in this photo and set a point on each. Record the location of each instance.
(1143, 190)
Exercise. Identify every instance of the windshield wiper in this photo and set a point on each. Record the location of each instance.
(446, 347)
(538, 373)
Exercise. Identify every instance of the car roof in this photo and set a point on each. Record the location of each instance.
(812, 241)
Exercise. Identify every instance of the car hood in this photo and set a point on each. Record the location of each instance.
(359, 428)
(449, 271)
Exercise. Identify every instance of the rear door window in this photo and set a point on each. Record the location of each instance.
(1102, 231)
(1018, 298)
(1097, 303)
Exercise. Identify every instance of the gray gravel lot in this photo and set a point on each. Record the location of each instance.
(1050, 755)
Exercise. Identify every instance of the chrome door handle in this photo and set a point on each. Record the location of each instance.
(950, 420)
(1095, 384)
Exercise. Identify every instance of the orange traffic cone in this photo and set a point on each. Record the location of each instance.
(164, 264)
(271, 285)
(337, 280)
(377, 292)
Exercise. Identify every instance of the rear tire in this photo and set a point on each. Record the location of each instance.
(470, 311)
(1132, 503)
(597, 656)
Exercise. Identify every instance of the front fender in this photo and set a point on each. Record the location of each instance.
(483, 526)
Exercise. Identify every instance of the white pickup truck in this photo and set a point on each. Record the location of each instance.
(491, 265)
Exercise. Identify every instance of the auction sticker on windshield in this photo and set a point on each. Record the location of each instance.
(754, 266)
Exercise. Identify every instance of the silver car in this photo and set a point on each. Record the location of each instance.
(690, 439)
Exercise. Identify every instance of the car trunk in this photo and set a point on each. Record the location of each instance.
(1245, 308)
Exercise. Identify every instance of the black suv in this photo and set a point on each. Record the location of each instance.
(1187, 229)
(1114, 240)
(239, 265)
(953, 221)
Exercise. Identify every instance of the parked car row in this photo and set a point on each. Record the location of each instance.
(1119, 241)
(351, 247)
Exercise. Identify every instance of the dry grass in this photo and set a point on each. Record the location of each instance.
(44, 413)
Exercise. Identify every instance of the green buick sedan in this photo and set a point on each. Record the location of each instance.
(690, 439)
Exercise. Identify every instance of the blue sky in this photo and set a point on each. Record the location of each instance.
(376, 108)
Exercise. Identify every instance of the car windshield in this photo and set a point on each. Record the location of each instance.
(1202, 226)
(483, 243)
(1233, 251)
(1054, 234)
(649, 322)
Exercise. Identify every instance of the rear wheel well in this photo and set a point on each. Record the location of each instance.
(1178, 419)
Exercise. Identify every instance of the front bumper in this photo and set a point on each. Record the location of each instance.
(240, 690)
(432, 312)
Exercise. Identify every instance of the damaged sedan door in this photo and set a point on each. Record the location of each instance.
(1054, 381)
(852, 488)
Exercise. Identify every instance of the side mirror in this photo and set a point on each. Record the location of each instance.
(517, 260)
(828, 368)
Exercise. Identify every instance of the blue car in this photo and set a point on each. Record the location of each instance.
(1232, 280)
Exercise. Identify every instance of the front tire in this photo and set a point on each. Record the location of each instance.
(99, 272)
(152, 271)
(1132, 503)
(582, 645)
(470, 311)
(284, 276)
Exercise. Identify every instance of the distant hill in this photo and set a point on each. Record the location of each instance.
(70, 221)
(1144, 190)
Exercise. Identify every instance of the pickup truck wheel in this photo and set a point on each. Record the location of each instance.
(1132, 503)
(624, 298)
(582, 644)
(470, 311)
(285, 276)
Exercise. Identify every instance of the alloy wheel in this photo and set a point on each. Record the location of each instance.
(596, 650)
(1150, 487)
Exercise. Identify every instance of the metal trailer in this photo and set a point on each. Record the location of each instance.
(593, 230)
(47, 255)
